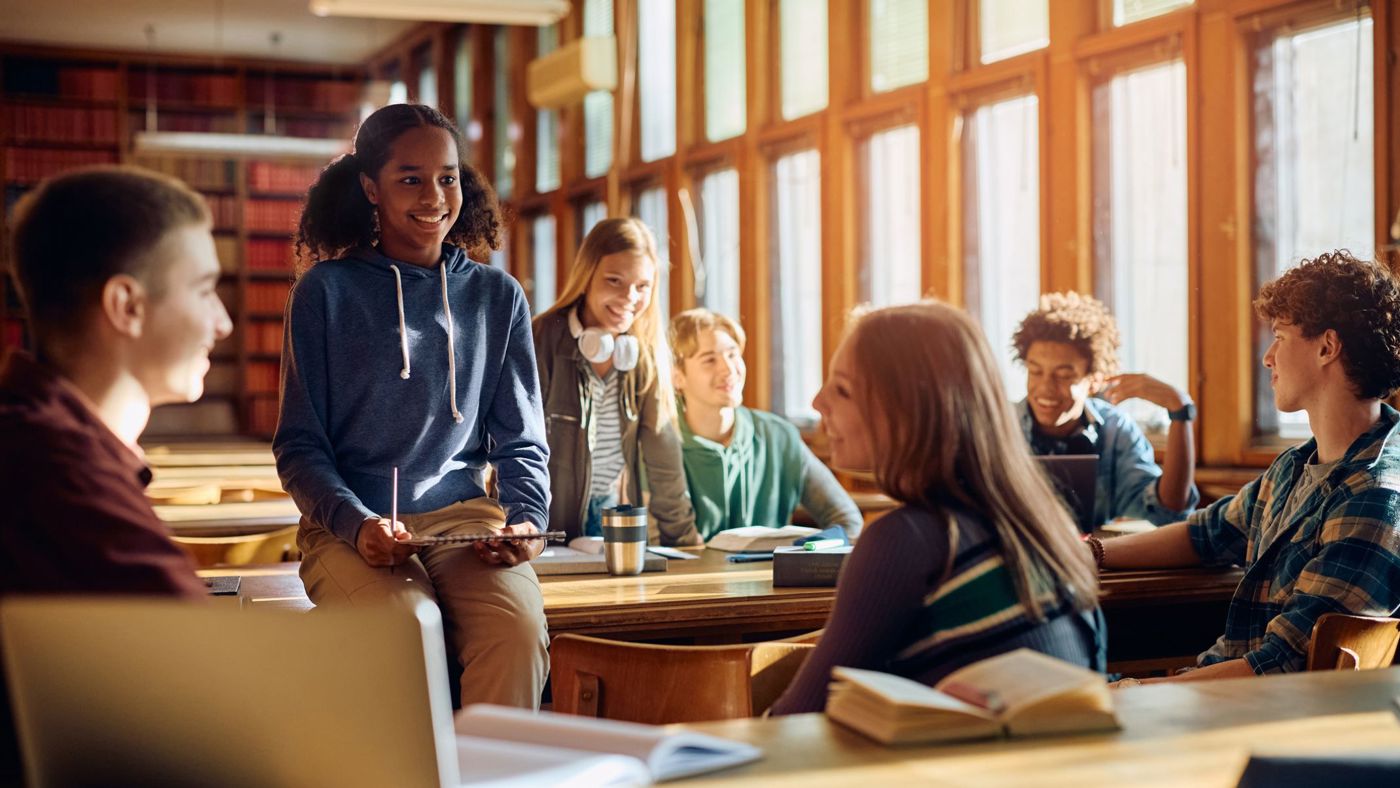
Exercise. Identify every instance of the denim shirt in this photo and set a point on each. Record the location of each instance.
(1127, 472)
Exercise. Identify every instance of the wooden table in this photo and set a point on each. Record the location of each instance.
(1154, 616)
(1192, 734)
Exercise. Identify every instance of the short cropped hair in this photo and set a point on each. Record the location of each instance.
(1080, 321)
(80, 229)
(1358, 299)
(686, 327)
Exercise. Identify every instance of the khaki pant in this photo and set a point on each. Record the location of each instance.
(493, 616)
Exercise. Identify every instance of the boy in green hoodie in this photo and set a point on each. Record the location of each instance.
(743, 467)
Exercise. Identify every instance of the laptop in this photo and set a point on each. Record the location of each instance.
(131, 691)
(1075, 478)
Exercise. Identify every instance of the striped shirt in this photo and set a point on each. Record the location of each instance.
(903, 609)
(605, 432)
(1339, 552)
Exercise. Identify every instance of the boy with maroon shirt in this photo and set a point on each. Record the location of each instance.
(117, 268)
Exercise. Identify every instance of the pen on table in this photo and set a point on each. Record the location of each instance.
(746, 558)
(822, 544)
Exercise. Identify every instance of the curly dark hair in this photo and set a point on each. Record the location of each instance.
(337, 217)
(1080, 321)
(1358, 299)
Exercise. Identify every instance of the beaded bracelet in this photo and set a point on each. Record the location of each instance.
(1095, 547)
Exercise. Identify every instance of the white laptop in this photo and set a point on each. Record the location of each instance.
(122, 691)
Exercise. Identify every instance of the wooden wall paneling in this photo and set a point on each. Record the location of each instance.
(1067, 133)
(840, 198)
(1387, 123)
(762, 94)
(441, 51)
(942, 210)
(524, 43)
(1224, 386)
(690, 118)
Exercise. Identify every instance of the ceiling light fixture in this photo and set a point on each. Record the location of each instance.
(494, 12)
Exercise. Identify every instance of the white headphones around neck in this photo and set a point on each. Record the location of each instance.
(598, 345)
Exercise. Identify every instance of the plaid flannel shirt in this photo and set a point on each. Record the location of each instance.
(1341, 552)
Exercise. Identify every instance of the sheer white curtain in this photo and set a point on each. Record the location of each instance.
(890, 266)
(797, 285)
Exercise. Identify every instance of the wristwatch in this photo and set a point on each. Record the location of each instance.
(1186, 412)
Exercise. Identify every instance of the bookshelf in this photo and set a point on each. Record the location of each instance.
(62, 109)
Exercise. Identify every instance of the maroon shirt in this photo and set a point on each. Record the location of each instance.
(74, 517)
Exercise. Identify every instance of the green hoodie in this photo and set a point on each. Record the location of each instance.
(760, 478)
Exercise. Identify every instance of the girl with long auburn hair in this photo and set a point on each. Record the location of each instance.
(981, 558)
(608, 402)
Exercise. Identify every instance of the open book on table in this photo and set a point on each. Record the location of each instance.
(664, 755)
(1026, 693)
(757, 538)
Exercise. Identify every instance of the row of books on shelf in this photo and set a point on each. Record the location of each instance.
(322, 95)
(264, 337)
(267, 298)
(262, 415)
(184, 121)
(49, 79)
(281, 178)
(224, 209)
(198, 173)
(28, 122)
(275, 216)
(207, 89)
(268, 254)
(260, 377)
(31, 165)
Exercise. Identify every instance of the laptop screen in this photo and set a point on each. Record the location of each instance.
(1074, 477)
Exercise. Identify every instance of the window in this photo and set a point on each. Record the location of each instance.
(541, 287)
(1314, 149)
(590, 214)
(717, 270)
(1012, 27)
(724, 69)
(503, 130)
(796, 366)
(500, 258)
(598, 105)
(462, 83)
(656, 53)
(898, 43)
(803, 40)
(427, 77)
(1127, 11)
(1001, 211)
(398, 90)
(651, 209)
(547, 177)
(890, 224)
(1139, 220)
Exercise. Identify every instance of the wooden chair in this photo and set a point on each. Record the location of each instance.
(640, 682)
(266, 548)
(1343, 642)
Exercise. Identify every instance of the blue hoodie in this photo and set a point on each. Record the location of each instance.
(361, 396)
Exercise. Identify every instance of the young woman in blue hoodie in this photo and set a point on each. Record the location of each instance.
(402, 353)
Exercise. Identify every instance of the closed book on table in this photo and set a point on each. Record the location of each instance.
(798, 566)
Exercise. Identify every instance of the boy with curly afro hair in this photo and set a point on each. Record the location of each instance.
(1319, 531)
(1069, 347)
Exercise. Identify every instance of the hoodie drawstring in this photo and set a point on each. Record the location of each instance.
(403, 332)
(451, 351)
(451, 348)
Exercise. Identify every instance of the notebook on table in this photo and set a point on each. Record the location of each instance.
(158, 692)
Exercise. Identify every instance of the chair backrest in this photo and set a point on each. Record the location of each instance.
(267, 548)
(659, 685)
(1343, 642)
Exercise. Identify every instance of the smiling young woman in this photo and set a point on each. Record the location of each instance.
(608, 400)
(402, 353)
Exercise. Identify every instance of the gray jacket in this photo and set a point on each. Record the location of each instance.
(648, 434)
